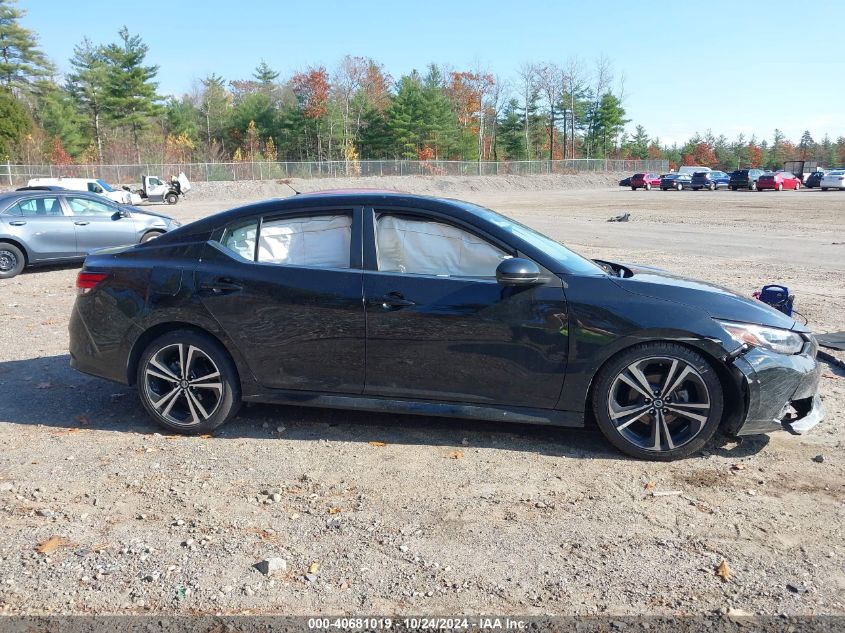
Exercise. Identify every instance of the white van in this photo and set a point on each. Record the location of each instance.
(693, 169)
(92, 185)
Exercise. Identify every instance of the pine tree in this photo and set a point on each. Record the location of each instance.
(511, 133)
(87, 85)
(14, 123)
(130, 95)
(265, 75)
(21, 61)
(57, 113)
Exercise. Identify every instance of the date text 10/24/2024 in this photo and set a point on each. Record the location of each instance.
(418, 624)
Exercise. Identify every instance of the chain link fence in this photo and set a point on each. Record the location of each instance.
(17, 175)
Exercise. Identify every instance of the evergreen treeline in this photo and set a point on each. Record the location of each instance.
(107, 109)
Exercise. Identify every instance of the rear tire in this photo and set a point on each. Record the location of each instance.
(12, 260)
(712, 186)
(679, 187)
(633, 188)
(824, 188)
(780, 186)
(188, 383)
(733, 188)
(648, 186)
(681, 413)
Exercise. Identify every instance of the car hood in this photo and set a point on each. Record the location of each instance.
(138, 211)
(718, 302)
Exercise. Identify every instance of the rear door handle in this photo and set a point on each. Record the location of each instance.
(392, 301)
(18, 222)
(82, 222)
(220, 286)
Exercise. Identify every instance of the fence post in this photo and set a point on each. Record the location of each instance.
(9, 169)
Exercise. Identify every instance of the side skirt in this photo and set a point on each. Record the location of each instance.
(521, 415)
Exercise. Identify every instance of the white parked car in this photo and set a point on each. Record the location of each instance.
(91, 185)
(833, 180)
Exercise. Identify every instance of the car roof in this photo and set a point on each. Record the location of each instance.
(458, 209)
(35, 193)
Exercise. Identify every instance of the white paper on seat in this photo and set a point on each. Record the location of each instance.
(432, 248)
(322, 241)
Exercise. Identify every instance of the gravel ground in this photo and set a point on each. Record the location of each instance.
(477, 517)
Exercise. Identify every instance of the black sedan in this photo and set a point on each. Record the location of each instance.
(675, 181)
(814, 180)
(390, 302)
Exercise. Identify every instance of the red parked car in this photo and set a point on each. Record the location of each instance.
(779, 180)
(645, 181)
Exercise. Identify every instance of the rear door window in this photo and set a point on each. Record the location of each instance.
(318, 241)
(37, 207)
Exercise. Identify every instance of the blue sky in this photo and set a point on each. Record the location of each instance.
(688, 66)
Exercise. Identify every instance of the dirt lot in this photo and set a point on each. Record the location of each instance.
(448, 516)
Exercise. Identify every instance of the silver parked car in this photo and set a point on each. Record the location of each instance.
(42, 227)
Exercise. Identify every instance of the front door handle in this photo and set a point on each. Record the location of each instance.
(18, 222)
(220, 286)
(82, 223)
(392, 301)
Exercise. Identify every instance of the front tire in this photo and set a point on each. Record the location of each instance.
(648, 186)
(658, 401)
(151, 235)
(171, 198)
(12, 260)
(679, 187)
(712, 186)
(753, 186)
(188, 383)
(780, 186)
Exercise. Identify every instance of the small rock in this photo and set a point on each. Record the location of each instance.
(271, 565)
(403, 548)
(188, 543)
(44, 512)
(276, 496)
(819, 459)
(311, 577)
(6, 486)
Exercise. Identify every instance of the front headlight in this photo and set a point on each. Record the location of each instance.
(770, 338)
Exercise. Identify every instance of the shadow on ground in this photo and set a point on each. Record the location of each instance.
(46, 391)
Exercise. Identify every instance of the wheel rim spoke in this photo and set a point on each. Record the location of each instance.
(171, 396)
(669, 375)
(686, 414)
(641, 379)
(170, 375)
(191, 407)
(678, 382)
(631, 420)
(661, 421)
(182, 362)
(633, 385)
(192, 399)
(159, 374)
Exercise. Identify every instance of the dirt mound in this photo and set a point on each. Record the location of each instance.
(427, 185)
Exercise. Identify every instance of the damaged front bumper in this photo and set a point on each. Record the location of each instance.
(781, 391)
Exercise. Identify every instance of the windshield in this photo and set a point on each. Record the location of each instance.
(104, 185)
(569, 260)
(838, 172)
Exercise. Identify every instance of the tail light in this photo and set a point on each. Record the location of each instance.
(87, 281)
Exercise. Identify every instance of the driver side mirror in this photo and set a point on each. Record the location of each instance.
(120, 214)
(517, 271)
